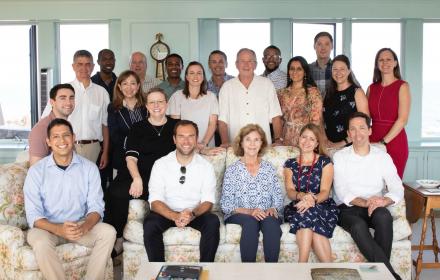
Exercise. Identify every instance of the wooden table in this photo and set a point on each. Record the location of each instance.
(265, 271)
(421, 204)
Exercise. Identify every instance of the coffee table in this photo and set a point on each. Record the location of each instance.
(265, 271)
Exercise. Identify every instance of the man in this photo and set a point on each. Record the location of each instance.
(248, 99)
(321, 68)
(362, 174)
(173, 82)
(217, 63)
(272, 60)
(138, 64)
(62, 101)
(105, 77)
(182, 192)
(89, 119)
(63, 202)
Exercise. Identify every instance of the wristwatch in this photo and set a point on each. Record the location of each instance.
(383, 142)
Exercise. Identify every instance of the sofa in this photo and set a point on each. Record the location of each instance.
(17, 260)
(182, 245)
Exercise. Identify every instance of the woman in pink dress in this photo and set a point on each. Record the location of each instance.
(389, 102)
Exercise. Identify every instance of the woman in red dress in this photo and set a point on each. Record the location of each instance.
(389, 102)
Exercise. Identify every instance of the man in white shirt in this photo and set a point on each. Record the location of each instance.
(138, 64)
(248, 99)
(366, 182)
(272, 60)
(181, 193)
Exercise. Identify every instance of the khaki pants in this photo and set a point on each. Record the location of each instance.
(100, 238)
(89, 151)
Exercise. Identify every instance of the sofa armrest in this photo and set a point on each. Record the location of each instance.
(11, 238)
(398, 210)
(138, 209)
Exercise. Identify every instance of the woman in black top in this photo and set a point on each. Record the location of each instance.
(344, 97)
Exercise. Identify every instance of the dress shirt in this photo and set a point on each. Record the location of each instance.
(149, 83)
(199, 186)
(278, 78)
(170, 89)
(215, 89)
(321, 76)
(62, 195)
(90, 111)
(240, 106)
(108, 87)
(365, 176)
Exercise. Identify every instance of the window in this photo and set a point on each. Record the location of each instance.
(237, 35)
(91, 36)
(364, 48)
(431, 82)
(304, 35)
(15, 94)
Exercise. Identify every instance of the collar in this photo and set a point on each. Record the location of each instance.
(51, 161)
(79, 84)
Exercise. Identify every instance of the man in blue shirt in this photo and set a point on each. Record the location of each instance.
(64, 203)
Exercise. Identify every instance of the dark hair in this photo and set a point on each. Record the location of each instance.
(377, 76)
(155, 89)
(53, 91)
(274, 48)
(332, 87)
(244, 131)
(323, 34)
(184, 123)
(82, 53)
(360, 115)
(101, 52)
(174, 55)
(118, 96)
(57, 122)
(308, 79)
(220, 53)
(203, 86)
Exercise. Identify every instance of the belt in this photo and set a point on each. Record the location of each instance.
(86, 141)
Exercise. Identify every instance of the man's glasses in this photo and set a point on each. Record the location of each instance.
(182, 178)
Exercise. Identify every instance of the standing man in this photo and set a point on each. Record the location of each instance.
(322, 68)
(217, 63)
(62, 101)
(138, 64)
(63, 201)
(173, 82)
(105, 77)
(272, 60)
(248, 99)
(363, 173)
(182, 192)
(89, 119)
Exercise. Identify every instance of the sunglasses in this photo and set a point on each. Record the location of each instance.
(182, 178)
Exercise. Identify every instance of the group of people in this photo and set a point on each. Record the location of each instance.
(151, 133)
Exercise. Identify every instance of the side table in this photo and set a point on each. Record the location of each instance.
(419, 204)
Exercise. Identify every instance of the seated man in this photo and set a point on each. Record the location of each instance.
(63, 201)
(182, 192)
(362, 173)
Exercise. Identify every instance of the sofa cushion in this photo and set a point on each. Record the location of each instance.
(218, 162)
(12, 178)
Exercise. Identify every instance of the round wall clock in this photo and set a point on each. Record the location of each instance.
(159, 51)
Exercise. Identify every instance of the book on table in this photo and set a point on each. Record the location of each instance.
(335, 274)
(179, 272)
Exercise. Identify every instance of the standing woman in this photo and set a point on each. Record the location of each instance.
(147, 141)
(300, 101)
(389, 103)
(197, 104)
(312, 215)
(344, 97)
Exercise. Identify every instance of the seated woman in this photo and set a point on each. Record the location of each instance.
(312, 214)
(251, 196)
(344, 97)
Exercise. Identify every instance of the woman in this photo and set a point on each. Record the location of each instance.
(148, 140)
(251, 196)
(300, 101)
(196, 104)
(344, 97)
(389, 102)
(312, 215)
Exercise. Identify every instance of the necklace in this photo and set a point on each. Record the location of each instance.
(298, 182)
(158, 132)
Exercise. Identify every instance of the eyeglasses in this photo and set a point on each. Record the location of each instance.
(274, 56)
(182, 178)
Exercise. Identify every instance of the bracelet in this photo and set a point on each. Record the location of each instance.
(383, 142)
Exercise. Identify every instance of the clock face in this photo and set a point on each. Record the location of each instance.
(159, 51)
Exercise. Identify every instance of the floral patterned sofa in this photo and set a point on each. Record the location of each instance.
(182, 245)
(17, 260)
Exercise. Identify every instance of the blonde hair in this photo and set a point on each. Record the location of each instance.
(244, 131)
(317, 131)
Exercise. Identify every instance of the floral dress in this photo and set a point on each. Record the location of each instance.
(299, 110)
(321, 218)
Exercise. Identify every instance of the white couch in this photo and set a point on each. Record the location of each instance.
(182, 245)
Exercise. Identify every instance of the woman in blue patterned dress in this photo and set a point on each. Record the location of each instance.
(252, 197)
(312, 215)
